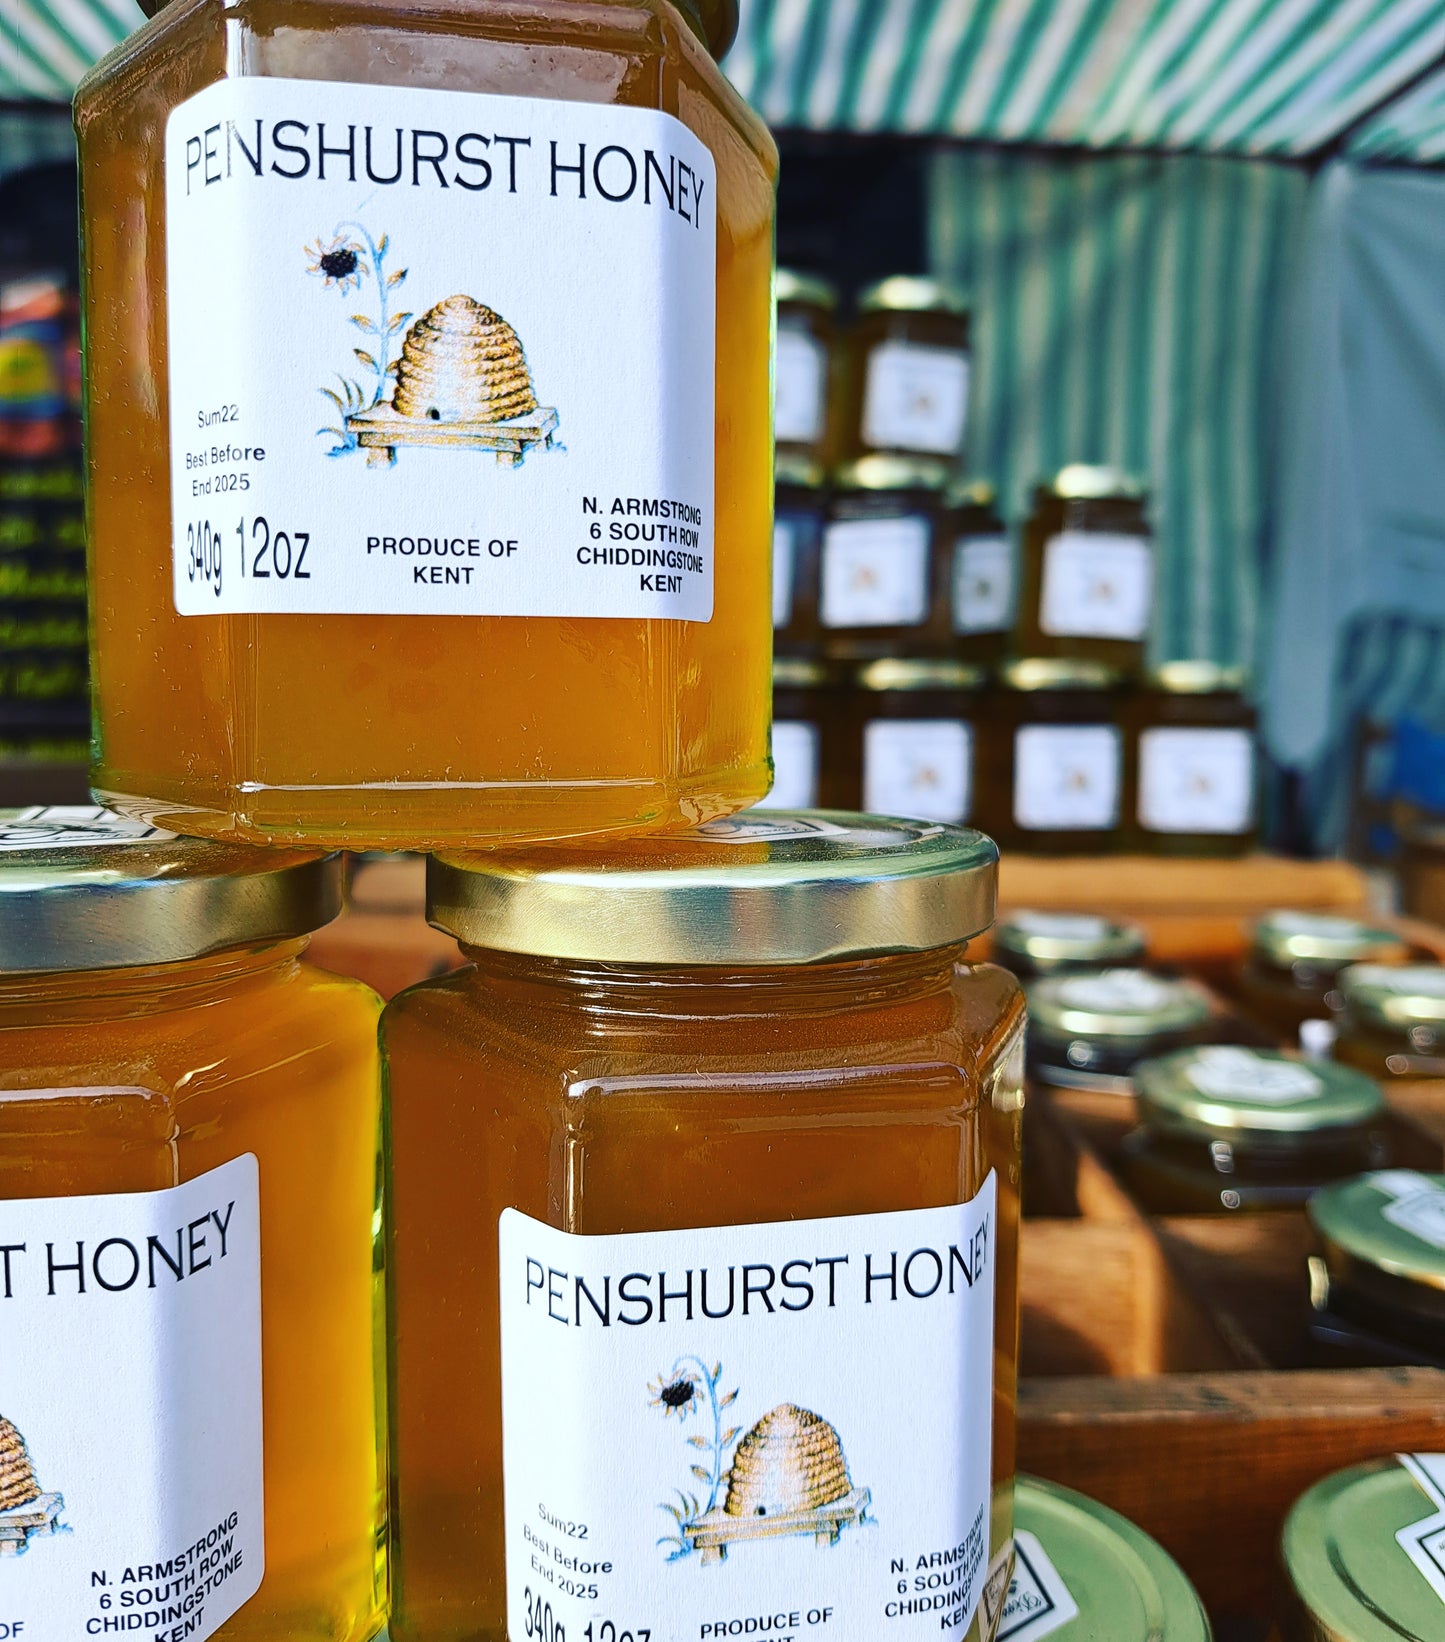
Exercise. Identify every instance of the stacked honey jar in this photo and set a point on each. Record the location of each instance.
(929, 663)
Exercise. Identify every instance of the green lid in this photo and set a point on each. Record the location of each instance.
(974, 493)
(1085, 481)
(1124, 1586)
(912, 294)
(890, 473)
(800, 673)
(802, 472)
(1403, 995)
(1287, 938)
(1351, 1578)
(1223, 1089)
(1117, 1003)
(1197, 678)
(920, 673)
(1391, 1221)
(806, 289)
(1049, 940)
(1060, 673)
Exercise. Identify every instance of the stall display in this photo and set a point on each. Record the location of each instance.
(1194, 789)
(806, 339)
(909, 739)
(805, 734)
(1227, 1128)
(182, 1091)
(1056, 943)
(451, 550)
(1391, 1019)
(799, 510)
(684, 1035)
(905, 390)
(1091, 1029)
(1086, 570)
(1377, 1280)
(1295, 959)
(983, 573)
(1083, 1572)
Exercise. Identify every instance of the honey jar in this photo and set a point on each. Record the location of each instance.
(1194, 764)
(1090, 1029)
(1054, 765)
(799, 509)
(883, 583)
(1392, 1019)
(1057, 943)
(1086, 570)
(906, 389)
(983, 574)
(767, 1026)
(190, 1408)
(1377, 1277)
(805, 734)
(1082, 1571)
(910, 739)
(1223, 1127)
(1361, 1555)
(457, 526)
(805, 340)
(1294, 959)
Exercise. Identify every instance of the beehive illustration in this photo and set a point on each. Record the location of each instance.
(24, 1510)
(462, 382)
(789, 1476)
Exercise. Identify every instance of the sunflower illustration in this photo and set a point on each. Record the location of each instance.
(337, 261)
(674, 1394)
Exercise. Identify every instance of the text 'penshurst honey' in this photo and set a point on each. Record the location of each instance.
(709, 1165)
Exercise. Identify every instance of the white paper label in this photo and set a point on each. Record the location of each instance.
(1405, 980)
(795, 767)
(1062, 926)
(1424, 1542)
(800, 387)
(700, 1427)
(67, 826)
(983, 593)
(1418, 1205)
(1118, 991)
(1096, 586)
(875, 573)
(919, 768)
(916, 398)
(1227, 1072)
(1038, 1602)
(130, 1369)
(438, 353)
(1066, 777)
(783, 531)
(1196, 780)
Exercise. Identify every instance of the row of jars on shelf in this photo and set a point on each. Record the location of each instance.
(894, 558)
(1046, 756)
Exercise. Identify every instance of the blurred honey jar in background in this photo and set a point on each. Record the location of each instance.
(1290, 972)
(983, 573)
(1054, 943)
(770, 1027)
(801, 370)
(800, 507)
(1090, 1029)
(806, 732)
(910, 738)
(307, 636)
(1391, 1019)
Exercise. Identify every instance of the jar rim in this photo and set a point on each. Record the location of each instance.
(791, 286)
(765, 888)
(82, 888)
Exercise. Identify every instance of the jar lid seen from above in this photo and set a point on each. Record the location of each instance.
(1391, 995)
(913, 294)
(765, 887)
(1285, 937)
(1221, 1090)
(1117, 1003)
(1391, 1221)
(82, 889)
(1048, 939)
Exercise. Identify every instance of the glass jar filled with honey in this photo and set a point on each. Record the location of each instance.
(910, 738)
(1058, 943)
(805, 340)
(1055, 758)
(983, 573)
(883, 580)
(1392, 1019)
(1358, 1555)
(905, 392)
(1294, 960)
(799, 510)
(190, 1263)
(806, 735)
(1194, 790)
(1089, 1030)
(1086, 570)
(1224, 1127)
(1083, 1572)
(768, 1027)
(458, 527)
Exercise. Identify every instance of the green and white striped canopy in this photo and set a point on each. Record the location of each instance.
(46, 45)
(1412, 129)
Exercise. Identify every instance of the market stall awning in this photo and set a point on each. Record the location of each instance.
(1411, 129)
(46, 45)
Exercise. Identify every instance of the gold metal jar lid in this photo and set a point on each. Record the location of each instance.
(1391, 1222)
(1197, 678)
(1221, 1090)
(83, 889)
(1092, 482)
(913, 294)
(807, 290)
(1060, 673)
(1285, 938)
(1392, 995)
(1048, 939)
(800, 673)
(801, 472)
(920, 674)
(1124, 1585)
(975, 493)
(1117, 1003)
(880, 472)
(1350, 1578)
(766, 887)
